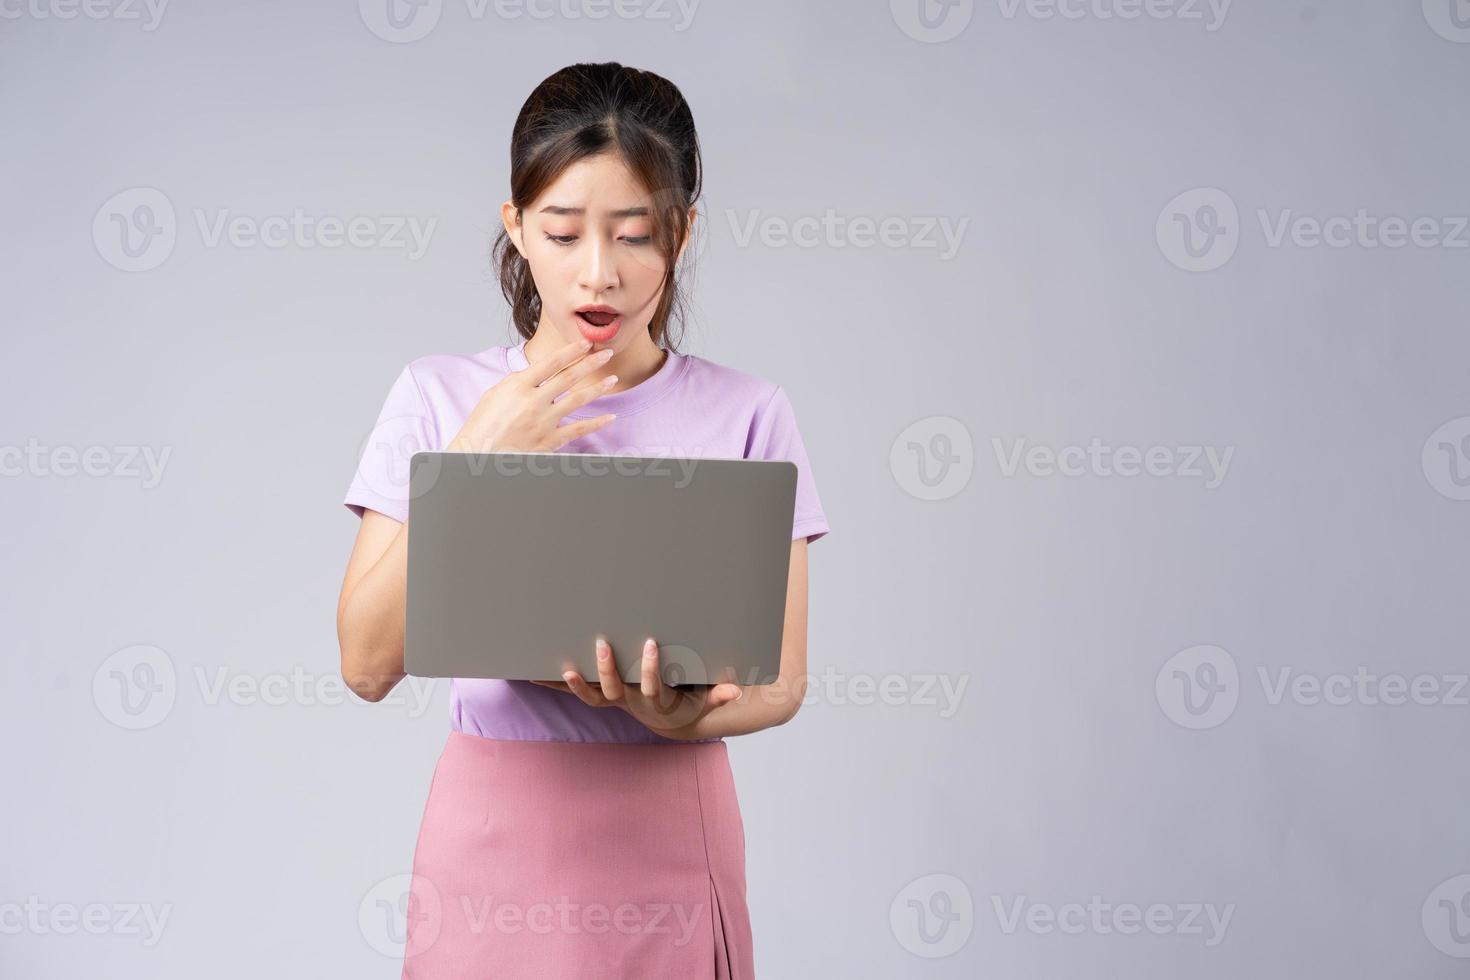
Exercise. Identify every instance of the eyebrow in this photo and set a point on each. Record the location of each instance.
(638, 212)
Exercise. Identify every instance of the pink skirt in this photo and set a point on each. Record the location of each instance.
(579, 859)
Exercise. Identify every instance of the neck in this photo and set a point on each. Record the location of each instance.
(633, 364)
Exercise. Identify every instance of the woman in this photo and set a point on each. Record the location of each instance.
(588, 827)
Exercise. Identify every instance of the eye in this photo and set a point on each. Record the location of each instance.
(562, 240)
(638, 239)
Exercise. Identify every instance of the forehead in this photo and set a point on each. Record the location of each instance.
(596, 186)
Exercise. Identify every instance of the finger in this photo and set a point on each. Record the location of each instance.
(585, 691)
(724, 694)
(607, 671)
(538, 372)
(652, 685)
(578, 370)
(583, 394)
(576, 430)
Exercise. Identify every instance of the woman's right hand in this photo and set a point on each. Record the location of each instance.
(517, 414)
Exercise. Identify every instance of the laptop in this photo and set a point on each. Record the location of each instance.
(517, 561)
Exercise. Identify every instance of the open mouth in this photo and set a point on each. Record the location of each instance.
(598, 318)
(599, 324)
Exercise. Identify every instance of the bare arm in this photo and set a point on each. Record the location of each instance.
(370, 611)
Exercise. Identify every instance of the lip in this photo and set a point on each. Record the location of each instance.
(598, 335)
(596, 308)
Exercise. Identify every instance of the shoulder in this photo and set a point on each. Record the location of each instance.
(732, 385)
(440, 376)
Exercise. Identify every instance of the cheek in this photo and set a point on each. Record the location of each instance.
(644, 277)
(551, 265)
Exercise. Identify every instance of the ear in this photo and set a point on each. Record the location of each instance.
(688, 234)
(510, 218)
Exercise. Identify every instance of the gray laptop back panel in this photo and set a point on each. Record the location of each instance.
(516, 561)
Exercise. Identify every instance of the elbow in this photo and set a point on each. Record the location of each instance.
(364, 689)
(791, 702)
(359, 678)
(363, 681)
(353, 663)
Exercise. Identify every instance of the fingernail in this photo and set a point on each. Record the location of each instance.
(649, 647)
(603, 650)
(568, 676)
(610, 380)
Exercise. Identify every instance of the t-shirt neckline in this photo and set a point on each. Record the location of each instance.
(620, 403)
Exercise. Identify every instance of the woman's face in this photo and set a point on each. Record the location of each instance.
(588, 241)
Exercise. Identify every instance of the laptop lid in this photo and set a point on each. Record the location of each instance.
(516, 561)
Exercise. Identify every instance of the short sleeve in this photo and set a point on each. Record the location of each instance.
(774, 435)
(404, 427)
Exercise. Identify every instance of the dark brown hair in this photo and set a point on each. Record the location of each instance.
(584, 110)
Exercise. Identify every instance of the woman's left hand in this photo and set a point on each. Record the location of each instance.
(666, 710)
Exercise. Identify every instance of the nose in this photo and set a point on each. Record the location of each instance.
(598, 271)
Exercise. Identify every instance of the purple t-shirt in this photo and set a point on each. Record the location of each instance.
(690, 407)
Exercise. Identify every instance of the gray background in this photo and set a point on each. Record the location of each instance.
(1332, 832)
